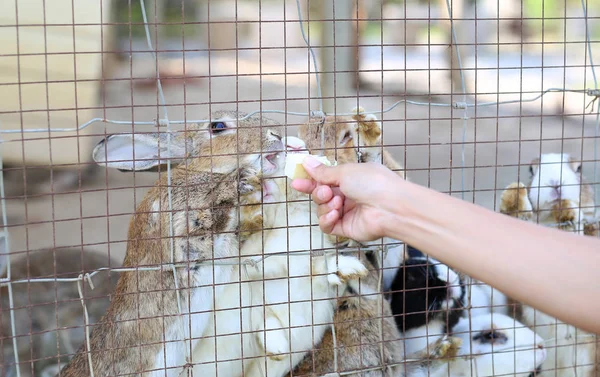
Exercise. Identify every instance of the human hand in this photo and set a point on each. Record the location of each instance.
(352, 199)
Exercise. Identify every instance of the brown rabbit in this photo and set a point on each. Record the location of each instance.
(355, 139)
(347, 139)
(143, 331)
(51, 311)
(365, 327)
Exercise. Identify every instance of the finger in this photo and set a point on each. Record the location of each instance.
(328, 221)
(306, 186)
(327, 175)
(334, 204)
(322, 194)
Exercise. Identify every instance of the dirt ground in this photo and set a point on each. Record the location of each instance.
(427, 139)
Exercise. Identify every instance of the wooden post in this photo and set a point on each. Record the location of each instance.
(335, 58)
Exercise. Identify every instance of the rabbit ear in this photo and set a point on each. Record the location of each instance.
(118, 151)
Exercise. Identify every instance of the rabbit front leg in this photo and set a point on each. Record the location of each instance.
(272, 336)
(515, 202)
(250, 190)
(567, 216)
(433, 360)
(341, 269)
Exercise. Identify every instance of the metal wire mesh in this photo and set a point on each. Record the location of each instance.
(467, 108)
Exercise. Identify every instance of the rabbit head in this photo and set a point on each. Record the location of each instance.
(355, 138)
(337, 134)
(554, 177)
(500, 345)
(228, 142)
(426, 292)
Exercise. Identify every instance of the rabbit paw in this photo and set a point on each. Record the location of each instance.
(276, 346)
(249, 182)
(514, 202)
(564, 213)
(446, 347)
(591, 229)
(343, 268)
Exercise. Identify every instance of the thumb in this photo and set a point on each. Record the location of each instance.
(326, 175)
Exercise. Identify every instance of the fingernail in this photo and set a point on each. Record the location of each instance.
(321, 193)
(311, 162)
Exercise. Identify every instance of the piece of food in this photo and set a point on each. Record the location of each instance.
(294, 168)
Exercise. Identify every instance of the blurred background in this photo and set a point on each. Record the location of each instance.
(64, 63)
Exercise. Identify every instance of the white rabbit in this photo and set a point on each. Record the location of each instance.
(571, 351)
(494, 345)
(556, 194)
(293, 296)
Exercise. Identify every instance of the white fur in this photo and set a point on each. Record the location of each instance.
(207, 283)
(392, 261)
(554, 171)
(297, 306)
(571, 351)
(518, 356)
(485, 299)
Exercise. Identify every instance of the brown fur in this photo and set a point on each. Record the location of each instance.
(205, 195)
(514, 202)
(345, 136)
(129, 335)
(51, 310)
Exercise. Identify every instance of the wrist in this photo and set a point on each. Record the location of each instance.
(408, 213)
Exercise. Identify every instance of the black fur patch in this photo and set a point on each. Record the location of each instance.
(417, 294)
(414, 253)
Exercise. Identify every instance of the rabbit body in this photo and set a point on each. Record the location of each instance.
(51, 312)
(556, 195)
(427, 299)
(494, 345)
(352, 139)
(293, 295)
(143, 331)
(367, 338)
(571, 351)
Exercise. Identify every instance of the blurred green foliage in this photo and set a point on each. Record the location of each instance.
(128, 13)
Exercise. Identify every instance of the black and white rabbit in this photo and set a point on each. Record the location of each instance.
(427, 299)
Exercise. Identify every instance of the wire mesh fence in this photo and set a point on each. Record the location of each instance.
(205, 290)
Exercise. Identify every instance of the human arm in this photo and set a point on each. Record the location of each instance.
(553, 271)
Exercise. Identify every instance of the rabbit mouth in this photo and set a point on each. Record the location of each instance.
(271, 161)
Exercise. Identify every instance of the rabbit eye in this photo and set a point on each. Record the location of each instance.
(347, 137)
(217, 127)
(491, 336)
(531, 170)
(578, 169)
